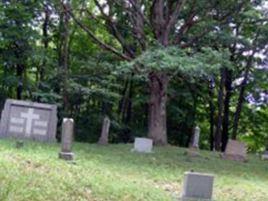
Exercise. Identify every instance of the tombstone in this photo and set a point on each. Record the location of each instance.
(236, 151)
(195, 138)
(265, 156)
(197, 186)
(29, 120)
(67, 139)
(143, 145)
(105, 131)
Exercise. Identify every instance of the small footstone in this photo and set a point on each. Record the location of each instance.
(68, 156)
(197, 186)
(19, 144)
(265, 156)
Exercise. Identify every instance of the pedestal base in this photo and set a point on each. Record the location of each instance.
(68, 156)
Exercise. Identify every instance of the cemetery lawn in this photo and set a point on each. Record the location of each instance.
(114, 173)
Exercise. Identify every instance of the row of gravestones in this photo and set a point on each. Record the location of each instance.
(22, 119)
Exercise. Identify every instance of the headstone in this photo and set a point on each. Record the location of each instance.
(144, 145)
(197, 186)
(265, 156)
(29, 120)
(195, 139)
(67, 139)
(105, 131)
(236, 151)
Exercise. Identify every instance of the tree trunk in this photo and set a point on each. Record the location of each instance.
(211, 113)
(157, 107)
(20, 69)
(219, 119)
(226, 112)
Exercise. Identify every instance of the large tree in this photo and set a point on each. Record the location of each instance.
(136, 25)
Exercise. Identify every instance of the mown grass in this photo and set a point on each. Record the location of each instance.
(113, 172)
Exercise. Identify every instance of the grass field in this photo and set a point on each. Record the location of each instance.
(113, 173)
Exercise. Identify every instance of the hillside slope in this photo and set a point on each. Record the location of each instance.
(34, 173)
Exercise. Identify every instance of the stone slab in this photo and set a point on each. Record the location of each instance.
(197, 186)
(236, 151)
(264, 157)
(143, 145)
(68, 156)
(29, 120)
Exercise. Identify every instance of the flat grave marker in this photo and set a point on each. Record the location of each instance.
(143, 145)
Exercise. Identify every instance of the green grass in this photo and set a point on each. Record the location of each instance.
(113, 172)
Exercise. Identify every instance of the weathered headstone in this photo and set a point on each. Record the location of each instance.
(144, 145)
(105, 131)
(29, 120)
(197, 186)
(265, 156)
(236, 151)
(67, 139)
(195, 139)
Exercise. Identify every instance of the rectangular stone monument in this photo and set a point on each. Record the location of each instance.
(143, 145)
(264, 156)
(29, 120)
(236, 151)
(67, 139)
(197, 186)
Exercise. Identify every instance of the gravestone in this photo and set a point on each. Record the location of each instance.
(29, 120)
(236, 151)
(105, 131)
(265, 156)
(195, 139)
(197, 186)
(67, 139)
(143, 145)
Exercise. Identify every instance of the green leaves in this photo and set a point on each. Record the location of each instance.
(174, 60)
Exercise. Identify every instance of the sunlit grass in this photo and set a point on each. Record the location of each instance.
(113, 172)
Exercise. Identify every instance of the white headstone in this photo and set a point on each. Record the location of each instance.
(67, 139)
(24, 119)
(197, 186)
(144, 145)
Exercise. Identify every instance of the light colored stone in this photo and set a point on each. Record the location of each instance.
(264, 157)
(236, 151)
(67, 139)
(196, 136)
(197, 186)
(29, 120)
(105, 131)
(144, 145)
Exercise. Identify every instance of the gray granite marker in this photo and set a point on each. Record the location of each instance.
(66, 139)
(197, 186)
(29, 120)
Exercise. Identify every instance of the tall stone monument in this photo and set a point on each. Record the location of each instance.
(29, 120)
(67, 139)
(195, 139)
(105, 131)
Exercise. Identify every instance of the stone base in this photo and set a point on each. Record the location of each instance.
(264, 157)
(234, 157)
(68, 156)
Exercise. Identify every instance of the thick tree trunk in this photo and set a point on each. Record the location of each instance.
(225, 122)
(211, 113)
(219, 119)
(157, 108)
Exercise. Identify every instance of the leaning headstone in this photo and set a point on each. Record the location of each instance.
(236, 151)
(265, 156)
(105, 131)
(197, 186)
(67, 139)
(143, 145)
(29, 120)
